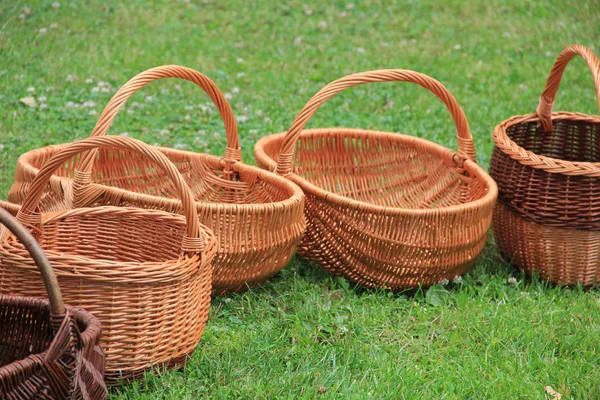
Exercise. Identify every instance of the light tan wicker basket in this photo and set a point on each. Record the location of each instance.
(256, 215)
(145, 274)
(385, 209)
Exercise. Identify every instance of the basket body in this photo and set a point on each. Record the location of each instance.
(384, 209)
(44, 356)
(545, 221)
(125, 267)
(256, 216)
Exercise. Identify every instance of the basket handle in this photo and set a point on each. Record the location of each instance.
(466, 147)
(57, 305)
(544, 109)
(28, 214)
(233, 152)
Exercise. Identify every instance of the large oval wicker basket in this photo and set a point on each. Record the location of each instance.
(256, 215)
(385, 209)
(47, 350)
(145, 274)
(547, 166)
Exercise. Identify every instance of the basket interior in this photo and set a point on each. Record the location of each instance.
(111, 236)
(383, 169)
(568, 140)
(129, 170)
(25, 328)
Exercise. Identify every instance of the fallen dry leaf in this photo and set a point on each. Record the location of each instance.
(29, 101)
(553, 393)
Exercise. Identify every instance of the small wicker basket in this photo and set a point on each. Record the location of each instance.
(384, 209)
(547, 166)
(256, 215)
(146, 274)
(47, 350)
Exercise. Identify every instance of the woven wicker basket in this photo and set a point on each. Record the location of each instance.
(547, 166)
(47, 350)
(146, 274)
(256, 215)
(384, 209)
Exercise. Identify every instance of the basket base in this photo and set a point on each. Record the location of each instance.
(561, 256)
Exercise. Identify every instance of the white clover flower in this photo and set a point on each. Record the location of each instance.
(105, 90)
(177, 87)
(457, 47)
(21, 16)
(242, 118)
(53, 25)
(443, 282)
(42, 99)
(164, 132)
(343, 330)
(253, 131)
(268, 121)
(87, 104)
(89, 80)
(235, 90)
(360, 50)
(189, 107)
(179, 146)
(549, 54)
(130, 112)
(27, 10)
(149, 99)
(522, 86)
(124, 134)
(43, 106)
(1, 147)
(349, 6)
(241, 74)
(457, 279)
(323, 24)
(343, 14)
(239, 60)
(55, 5)
(226, 300)
(136, 104)
(228, 96)
(43, 31)
(95, 89)
(31, 89)
(202, 132)
(506, 34)
(93, 112)
(70, 104)
(298, 41)
(70, 78)
(187, 118)
(512, 280)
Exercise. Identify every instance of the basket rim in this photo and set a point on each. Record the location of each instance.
(139, 272)
(295, 195)
(549, 164)
(90, 335)
(476, 170)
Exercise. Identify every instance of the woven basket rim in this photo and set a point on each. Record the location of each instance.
(134, 266)
(294, 192)
(89, 335)
(477, 171)
(549, 164)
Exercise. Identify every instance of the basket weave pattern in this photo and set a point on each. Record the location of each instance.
(146, 274)
(384, 209)
(547, 166)
(47, 350)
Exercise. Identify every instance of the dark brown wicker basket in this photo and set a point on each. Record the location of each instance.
(47, 350)
(547, 167)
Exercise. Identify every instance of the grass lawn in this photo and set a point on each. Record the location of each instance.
(305, 334)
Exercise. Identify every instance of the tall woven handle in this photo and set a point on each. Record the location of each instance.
(57, 305)
(544, 109)
(466, 147)
(233, 151)
(193, 241)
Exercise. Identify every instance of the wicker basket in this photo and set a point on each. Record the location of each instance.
(547, 166)
(146, 274)
(256, 215)
(47, 350)
(384, 209)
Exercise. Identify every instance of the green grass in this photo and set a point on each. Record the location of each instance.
(305, 332)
